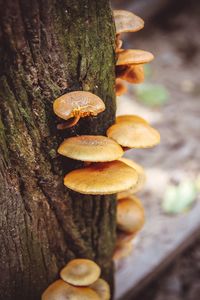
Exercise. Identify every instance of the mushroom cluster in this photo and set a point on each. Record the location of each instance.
(130, 62)
(80, 280)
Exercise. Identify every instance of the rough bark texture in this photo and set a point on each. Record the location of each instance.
(48, 48)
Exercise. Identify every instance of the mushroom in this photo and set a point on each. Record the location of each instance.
(124, 237)
(60, 290)
(102, 178)
(80, 272)
(90, 148)
(130, 118)
(132, 134)
(130, 214)
(122, 251)
(101, 287)
(133, 74)
(126, 21)
(133, 57)
(76, 105)
(140, 172)
(120, 87)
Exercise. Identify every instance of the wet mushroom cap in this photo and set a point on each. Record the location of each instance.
(101, 287)
(78, 103)
(134, 135)
(130, 118)
(92, 148)
(80, 272)
(60, 290)
(102, 178)
(120, 87)
(140, 172)
(126, 21)
(130, 214)
(134, 57)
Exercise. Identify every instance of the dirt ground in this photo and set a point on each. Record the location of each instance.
(174, 38)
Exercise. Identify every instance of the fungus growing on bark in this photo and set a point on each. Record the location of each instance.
(140, 172)
(76, 105)
(101, 287)
(134, 134)
(130, 214)
(133, 74)
(122, 251)
(130, 118)
(80, 272)
(133, 57)
(126, 21)
(102, 178)
(124, 237)
(120, 87)
(91, 148)
(60, 290)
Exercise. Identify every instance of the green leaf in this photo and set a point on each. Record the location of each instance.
(151, 94)
(178, 199)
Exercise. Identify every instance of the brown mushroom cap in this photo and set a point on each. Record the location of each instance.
(78, 103)
(120, 87)
(91, 148)
(102, 178)
(60, 290)
(126, 21)
(80, 272)
(101, 287)
(124, 237)
(130, 118)
(134, 135)
(140, 172)
(134, 74)
(130, 214)
(134, 57)
(122, 251)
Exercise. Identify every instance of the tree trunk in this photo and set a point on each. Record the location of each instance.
(49, 48)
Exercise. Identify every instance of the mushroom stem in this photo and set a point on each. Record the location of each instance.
(69, 124)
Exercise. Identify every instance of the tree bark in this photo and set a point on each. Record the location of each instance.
(49, 48)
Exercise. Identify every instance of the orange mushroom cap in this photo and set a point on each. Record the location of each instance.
(130, 118)
(92, 148)
(78, 103)
(133, 57)
(126, 21)
(60, 290)
(102, 178)
(133, 74)
(80, 272)
(120, 87)
(102, 289)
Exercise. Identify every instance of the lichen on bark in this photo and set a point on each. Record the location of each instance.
(49, 48)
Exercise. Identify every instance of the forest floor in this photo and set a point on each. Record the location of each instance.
(173, 37)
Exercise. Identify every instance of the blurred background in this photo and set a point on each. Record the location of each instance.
(165, 260)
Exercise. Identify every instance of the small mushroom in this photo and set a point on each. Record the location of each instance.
(134, 134)
(133, 74)
(133, 57)
(140, 172)
(60, 290)
(122, 251)
(130, 214)
(80, 272)
(101, 287)
(102, 178)
(126, 21)
(91, 148)
(124, 237)
(120, 87)
(76, 105)
(130, 118)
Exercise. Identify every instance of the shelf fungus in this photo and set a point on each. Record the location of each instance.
(126, 21)
(75, 105)
(130, 214)
(131, 73)
(120, 87)
(134, 57)
(132, 134)
(80, 272)
(101, 287)
(60, 290)
(122, 251)
(102, 178)
(91, 148)
(131, 118)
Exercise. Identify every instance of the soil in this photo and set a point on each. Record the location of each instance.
(173, 36)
